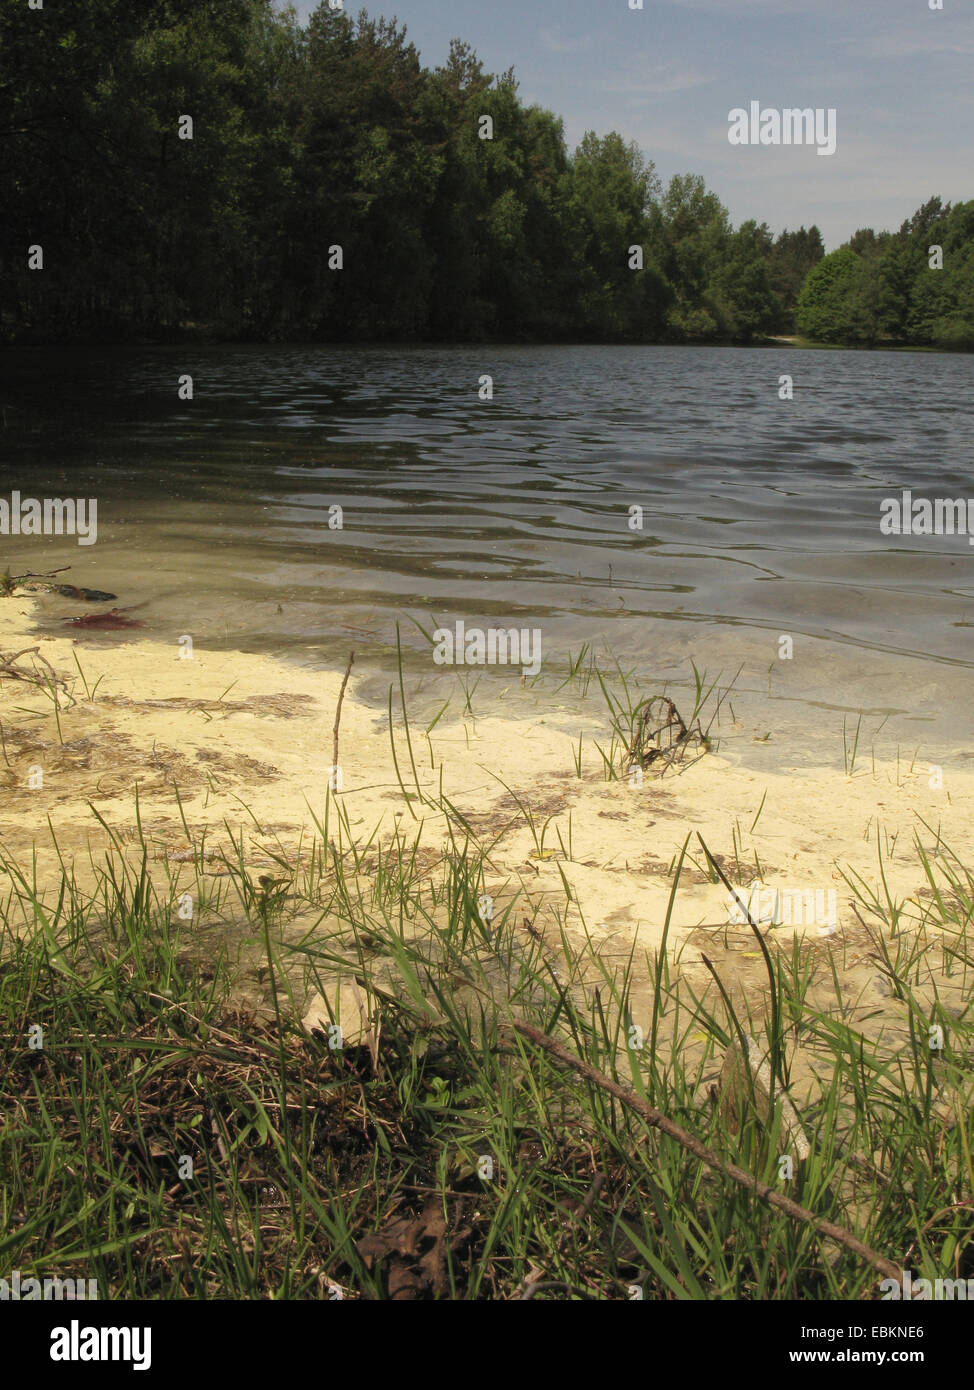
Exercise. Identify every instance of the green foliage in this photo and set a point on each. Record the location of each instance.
(335, 135)
(741, 284)
(888, 288)
(612, 192)
(824, 304)
(792, 257)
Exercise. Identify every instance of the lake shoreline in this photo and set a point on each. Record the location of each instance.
(229, 742)
(249, 997)
(199, 338)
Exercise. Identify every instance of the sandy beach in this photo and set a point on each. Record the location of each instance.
(248, 741)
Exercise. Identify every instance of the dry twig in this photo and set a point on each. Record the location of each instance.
(659, 733)
(8, 667)
(687, 1141)
(338, 712)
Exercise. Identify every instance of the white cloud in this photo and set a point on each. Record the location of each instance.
(907, 43)
(741, 6)
(645, 79)
(555, 41)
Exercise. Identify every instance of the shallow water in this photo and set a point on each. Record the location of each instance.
(760, 516)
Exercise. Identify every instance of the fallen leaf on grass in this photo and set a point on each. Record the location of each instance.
(415, 1250)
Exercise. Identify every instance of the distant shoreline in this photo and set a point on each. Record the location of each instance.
(201, 338)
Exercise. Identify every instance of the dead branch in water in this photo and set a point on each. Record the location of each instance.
(660, 735)
(9, 582)
(338, 713)
(662, 1122)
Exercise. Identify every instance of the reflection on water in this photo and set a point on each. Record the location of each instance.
(760, 517)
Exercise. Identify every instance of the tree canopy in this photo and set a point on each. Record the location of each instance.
(911, 287)
(213, 167)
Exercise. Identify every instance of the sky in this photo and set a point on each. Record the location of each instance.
(897, 73)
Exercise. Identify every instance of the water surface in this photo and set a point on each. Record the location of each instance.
(760, 517)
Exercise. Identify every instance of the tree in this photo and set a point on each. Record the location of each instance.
(458, 210)
(790, 259)
(740, 294)
(696, 229)
(612, 190)
(824, 310)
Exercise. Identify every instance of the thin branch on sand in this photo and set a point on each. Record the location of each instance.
(51, 683)
(338, 711)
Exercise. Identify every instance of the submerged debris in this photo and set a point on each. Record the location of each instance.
(9, 583)
(659, 736)
(114, 618)
(87, 595)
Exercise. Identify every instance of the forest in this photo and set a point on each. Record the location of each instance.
(914, 286)
(214, 169)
